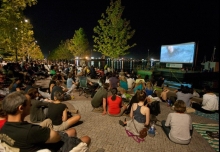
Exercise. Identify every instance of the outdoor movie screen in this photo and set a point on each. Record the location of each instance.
(178, 53)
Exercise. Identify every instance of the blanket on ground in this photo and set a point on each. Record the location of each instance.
(202, 128)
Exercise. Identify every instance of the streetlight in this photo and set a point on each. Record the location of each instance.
(16, 49)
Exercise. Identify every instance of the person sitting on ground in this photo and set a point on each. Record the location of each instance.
(71, 84)
(113, 81)
(51, 85)
(15, 85)
(17, 106)
(140, 115)
(154, 105)
(122, 85)
(178, 125)
(98, 101)
(209, 103)
(115, 105)
(131, 82)
(3, 116)
(184, 95)
(149, 88)
(163, 95)
(58, 88)
(39, 109)
(57, 113)
(139, 84)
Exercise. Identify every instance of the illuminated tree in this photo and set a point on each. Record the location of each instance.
(113, 32)
(61, 52)
(79, 44)
(14, 34)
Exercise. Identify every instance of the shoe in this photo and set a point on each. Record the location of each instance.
(122, 123)
(213, 134)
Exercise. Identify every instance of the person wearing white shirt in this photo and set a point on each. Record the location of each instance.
(209, 103)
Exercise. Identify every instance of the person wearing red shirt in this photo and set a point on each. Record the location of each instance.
(115, 104)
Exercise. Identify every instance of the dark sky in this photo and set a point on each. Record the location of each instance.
(156, 23)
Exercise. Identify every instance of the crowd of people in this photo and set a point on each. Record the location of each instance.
(114, 94)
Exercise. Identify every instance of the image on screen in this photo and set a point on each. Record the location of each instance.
(178, 53)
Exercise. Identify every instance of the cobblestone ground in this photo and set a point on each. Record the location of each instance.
(107, 135)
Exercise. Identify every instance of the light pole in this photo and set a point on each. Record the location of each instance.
(16, 47)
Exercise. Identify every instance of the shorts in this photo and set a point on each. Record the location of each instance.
(61, 127)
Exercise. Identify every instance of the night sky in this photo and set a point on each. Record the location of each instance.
(156, 23)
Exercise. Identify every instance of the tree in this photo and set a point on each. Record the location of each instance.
(14, 35)
(61, 52)
(113, 32)
(79, 44)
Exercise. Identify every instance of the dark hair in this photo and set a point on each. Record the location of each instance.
(114, 92)
(207, 88)
(141, 95)
(105, 86)
(58, 95)
(180, 106)
(32, 92)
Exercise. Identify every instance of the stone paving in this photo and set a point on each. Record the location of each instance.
(107, 135)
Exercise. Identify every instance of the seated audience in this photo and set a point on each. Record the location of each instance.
(184, 95)
(140, 115)
(139, 84)
(123, 85)
(15, 85)
(39, 109)
(113, 81)
(131, 82)
(163, 95)
(149, 88)
(178, 125)
(115, 105)
(57, 113)
(210, 102)
(58, 88)
(98, 101)
(17, 106)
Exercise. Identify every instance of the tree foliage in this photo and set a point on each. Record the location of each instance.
(16, 33)
(113, 32)
(61, 52)
(79, 44)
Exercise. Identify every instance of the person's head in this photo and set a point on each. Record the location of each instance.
(141, 95)
(123, 78)
(180, 106)
(70, 75)
(101, 81)
(58, 83)
(55, 77)
(58, 96)
(105, 86)
(207, 89)
(33, 93)
(17, 103)
(114, 92)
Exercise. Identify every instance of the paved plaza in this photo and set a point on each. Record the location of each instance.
(107, 135)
